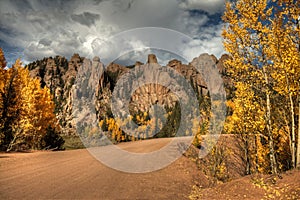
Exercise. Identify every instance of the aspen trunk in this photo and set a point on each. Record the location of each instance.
(293, 142)
(269, 126)
(298, 144)
(247, 157)
(292, 134)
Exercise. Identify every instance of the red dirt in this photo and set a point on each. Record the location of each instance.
(254, 187)
(77, 175)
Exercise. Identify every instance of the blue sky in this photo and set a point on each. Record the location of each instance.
(34, 29)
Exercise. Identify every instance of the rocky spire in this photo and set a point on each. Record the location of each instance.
(152, 58)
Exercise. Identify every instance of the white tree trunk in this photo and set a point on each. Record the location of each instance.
(293, 142)
(273, 162)
(298, 144)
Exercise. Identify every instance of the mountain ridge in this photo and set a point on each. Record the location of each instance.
(59, 74)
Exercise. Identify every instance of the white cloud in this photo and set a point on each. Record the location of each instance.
(197, 47)
(208, 41)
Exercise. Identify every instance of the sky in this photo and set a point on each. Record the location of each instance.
(34, 29)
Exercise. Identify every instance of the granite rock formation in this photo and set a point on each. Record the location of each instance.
(59, 75)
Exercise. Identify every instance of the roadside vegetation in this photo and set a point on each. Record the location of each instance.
(27, 119)
(262, 39)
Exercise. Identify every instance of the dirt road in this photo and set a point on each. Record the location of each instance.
(78, 175)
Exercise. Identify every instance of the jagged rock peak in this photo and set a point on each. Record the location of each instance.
(215, 59)
(174, 63)
(96, 59)
(138, 63)
(75, 56)
(152, 58)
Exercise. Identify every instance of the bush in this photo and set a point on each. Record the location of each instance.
(53, 140)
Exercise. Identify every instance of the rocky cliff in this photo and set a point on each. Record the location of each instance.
(59, 75)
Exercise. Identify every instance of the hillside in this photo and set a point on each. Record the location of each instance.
(59, 74)
(254, 187)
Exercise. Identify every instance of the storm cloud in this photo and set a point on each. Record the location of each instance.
(86, 18)
(34, 29)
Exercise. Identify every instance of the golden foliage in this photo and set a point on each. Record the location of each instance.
(262, 38)
(2, 60)
(26, 109)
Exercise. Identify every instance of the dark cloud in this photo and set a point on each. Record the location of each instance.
(209, 6)
(45, 42)
(86, 18)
